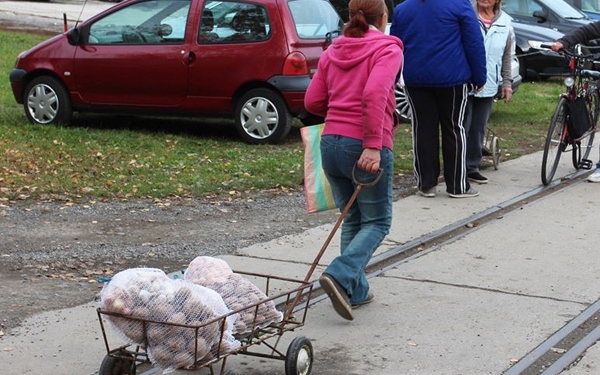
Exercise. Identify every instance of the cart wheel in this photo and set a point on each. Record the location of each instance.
(299, 357)
(117, 366)
(496, 152)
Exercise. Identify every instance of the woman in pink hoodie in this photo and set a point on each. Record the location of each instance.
(353, 89)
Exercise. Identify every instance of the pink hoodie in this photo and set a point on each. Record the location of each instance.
(354, 88)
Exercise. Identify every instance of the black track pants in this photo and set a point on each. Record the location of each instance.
(434, 108)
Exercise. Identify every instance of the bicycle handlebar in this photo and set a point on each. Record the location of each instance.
(565, 51)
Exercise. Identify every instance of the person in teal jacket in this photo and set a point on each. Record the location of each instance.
(497, 32)
(444, 57)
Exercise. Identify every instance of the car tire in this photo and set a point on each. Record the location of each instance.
(262, 116)
(46, 101)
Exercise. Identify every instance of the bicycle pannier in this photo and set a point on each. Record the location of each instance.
(580, 121)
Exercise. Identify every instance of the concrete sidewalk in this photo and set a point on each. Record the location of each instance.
(473, 305)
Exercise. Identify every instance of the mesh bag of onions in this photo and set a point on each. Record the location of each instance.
(176, 315)
(237, 292)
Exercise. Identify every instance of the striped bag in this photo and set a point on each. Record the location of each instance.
(317, 190)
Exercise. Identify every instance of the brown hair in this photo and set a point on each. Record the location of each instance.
(362, 14)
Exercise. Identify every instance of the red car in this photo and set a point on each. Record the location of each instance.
(252, 60)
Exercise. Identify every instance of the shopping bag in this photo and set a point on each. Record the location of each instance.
(317, 190)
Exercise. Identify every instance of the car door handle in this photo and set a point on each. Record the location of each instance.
(191, 57)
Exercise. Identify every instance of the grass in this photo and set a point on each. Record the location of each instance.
(123, 157)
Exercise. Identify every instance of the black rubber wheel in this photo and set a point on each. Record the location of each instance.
(46, 101)
(118, 366)
(555, 144)
(582, 150)
(261, 116)
(299, 357)
(496, 152)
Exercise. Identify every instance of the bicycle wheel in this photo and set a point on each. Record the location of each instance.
(581, 151)
(555, 143)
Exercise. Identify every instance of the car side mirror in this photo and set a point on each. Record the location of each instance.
(541, 14)
(73, 36)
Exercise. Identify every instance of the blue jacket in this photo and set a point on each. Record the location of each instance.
(443, 45)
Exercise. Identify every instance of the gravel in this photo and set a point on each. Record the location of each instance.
(56, 255)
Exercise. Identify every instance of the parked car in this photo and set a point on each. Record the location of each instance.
(553, 14)
(534, 63)
(543, 20)
(250, 60)
(591, 8)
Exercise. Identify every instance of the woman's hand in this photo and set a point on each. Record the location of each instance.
(369, 160)
(507, 94)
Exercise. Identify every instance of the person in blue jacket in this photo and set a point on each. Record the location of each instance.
(444, 60)
(497, 32)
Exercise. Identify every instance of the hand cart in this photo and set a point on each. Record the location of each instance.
(491, 147)
(124, 359)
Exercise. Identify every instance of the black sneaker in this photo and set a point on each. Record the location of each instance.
(478, 178)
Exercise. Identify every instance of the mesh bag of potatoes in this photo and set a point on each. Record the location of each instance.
(147, 296)
(237, 292)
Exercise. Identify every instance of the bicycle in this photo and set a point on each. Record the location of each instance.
(573, 124)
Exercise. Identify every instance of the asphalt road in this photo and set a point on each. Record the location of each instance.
(47, 17)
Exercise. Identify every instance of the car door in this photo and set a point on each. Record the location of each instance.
(241, 47)
(135, 56)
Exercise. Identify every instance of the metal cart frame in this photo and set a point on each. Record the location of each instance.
(298, 358)
(491, 147)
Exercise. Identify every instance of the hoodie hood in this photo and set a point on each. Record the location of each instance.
(346, 52)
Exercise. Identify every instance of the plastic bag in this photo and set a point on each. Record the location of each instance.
(238, 293)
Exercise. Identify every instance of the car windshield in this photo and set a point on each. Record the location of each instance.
(315, 18)
(565, 10)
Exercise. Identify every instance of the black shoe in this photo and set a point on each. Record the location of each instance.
(478, 178)
(337, 295)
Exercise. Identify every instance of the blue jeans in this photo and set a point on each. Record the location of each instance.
(368, 220)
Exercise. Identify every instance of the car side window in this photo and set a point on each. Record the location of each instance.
(148, 22)
(233, 22)
(532, 6)
(206, 33)
(523, 8)
(314, 19)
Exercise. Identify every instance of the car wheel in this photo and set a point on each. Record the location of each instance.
(261, 116)
(46, 101)
(402, 105)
